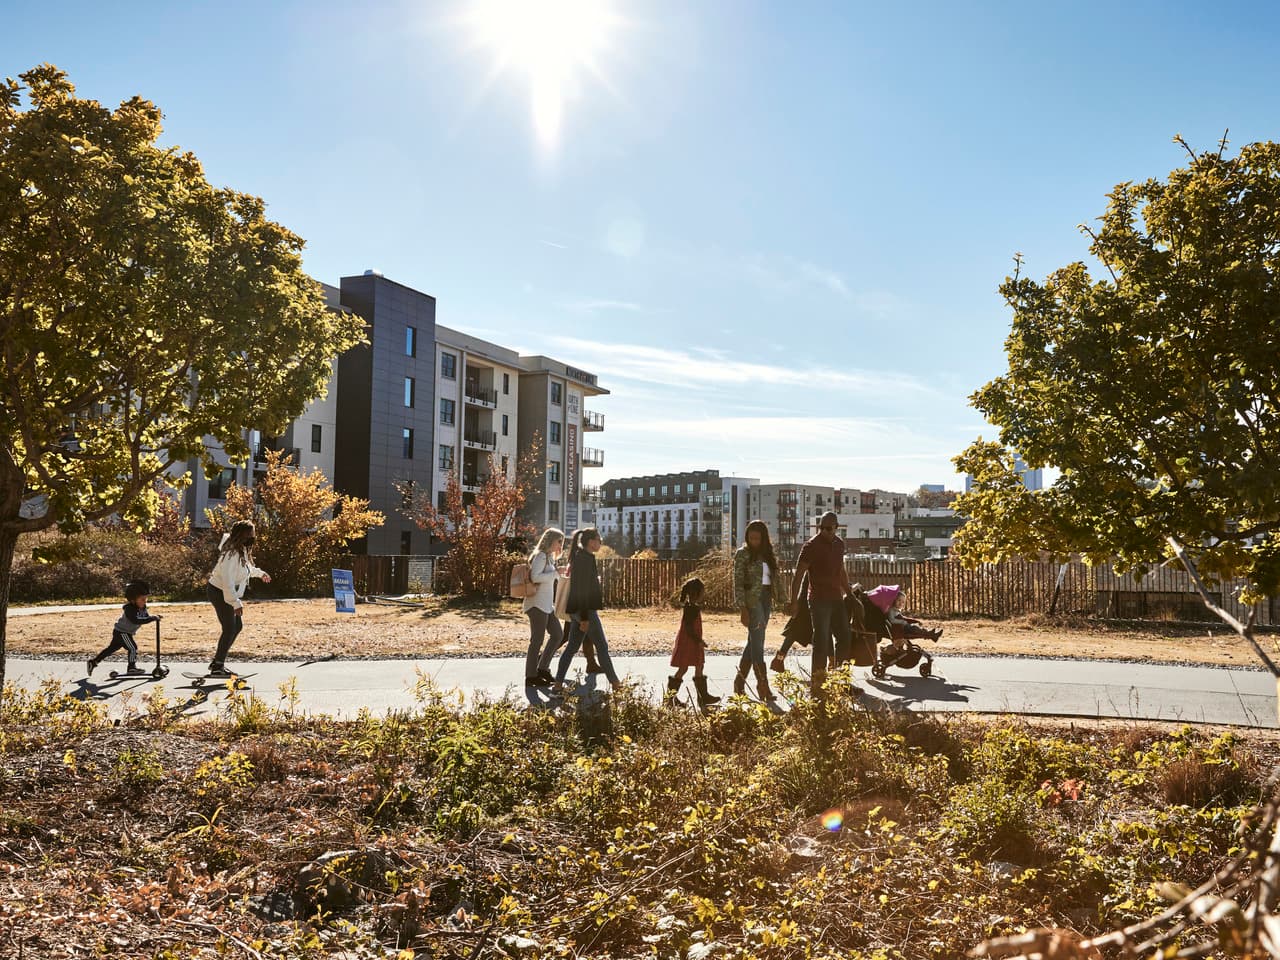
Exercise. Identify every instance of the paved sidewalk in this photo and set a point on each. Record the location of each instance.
(1083, 688)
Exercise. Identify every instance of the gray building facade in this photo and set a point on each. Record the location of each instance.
(386, 406)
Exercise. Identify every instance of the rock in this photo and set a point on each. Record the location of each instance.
(1004, 870)
(329, 880)
(803, 849)
(516, 946)
(700, 951)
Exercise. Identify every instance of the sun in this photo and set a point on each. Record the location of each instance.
(551, 41)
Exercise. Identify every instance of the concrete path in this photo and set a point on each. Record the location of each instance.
(1082, 688)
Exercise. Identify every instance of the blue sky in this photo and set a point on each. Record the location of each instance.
(774, 230)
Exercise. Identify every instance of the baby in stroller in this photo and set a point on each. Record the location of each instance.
(900, 630)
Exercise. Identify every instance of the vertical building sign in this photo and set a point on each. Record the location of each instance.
(573, 460)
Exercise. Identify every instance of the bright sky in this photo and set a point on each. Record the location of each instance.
(775, 230)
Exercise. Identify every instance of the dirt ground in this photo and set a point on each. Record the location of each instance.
(302, 629)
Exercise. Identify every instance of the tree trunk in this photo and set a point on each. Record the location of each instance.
(8, 540)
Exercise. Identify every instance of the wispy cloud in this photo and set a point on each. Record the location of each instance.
(595, 305)
(705, 368)
(552, 243)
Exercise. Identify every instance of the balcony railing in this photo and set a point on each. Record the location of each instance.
(482, 439)
(471, 482)
(592, 457)
(480, 396)
(592, 421)
(261, 450)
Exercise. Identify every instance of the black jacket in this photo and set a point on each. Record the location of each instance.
(585, 594)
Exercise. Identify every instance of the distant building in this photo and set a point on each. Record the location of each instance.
(933, 487)
(1031, 479)
(926, 534)
(665, 512)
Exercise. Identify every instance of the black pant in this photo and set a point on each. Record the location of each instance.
(120, 641)
(231, 623)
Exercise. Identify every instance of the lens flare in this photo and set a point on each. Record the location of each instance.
(833, 820)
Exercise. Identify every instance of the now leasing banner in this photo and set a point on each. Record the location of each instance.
(344, 591)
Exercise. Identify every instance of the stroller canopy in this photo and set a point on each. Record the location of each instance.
(884, 597)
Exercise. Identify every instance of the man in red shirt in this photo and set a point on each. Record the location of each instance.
(822, 557)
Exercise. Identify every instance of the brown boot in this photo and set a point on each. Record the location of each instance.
(762, 683)
(740, 681)
(589, 651)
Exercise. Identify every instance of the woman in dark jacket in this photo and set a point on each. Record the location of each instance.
(584, 603)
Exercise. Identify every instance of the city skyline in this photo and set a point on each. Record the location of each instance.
(775, 237)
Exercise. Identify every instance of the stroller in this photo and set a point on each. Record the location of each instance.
(909, 655)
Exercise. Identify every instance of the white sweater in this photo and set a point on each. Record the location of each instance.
(542, 571)
(231, 575)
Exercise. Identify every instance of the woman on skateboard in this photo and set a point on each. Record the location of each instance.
(226, 589)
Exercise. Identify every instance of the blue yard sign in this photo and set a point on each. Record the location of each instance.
(344, 591)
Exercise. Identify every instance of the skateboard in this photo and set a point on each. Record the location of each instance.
(237, 679)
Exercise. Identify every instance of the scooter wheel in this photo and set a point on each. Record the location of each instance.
(926, 669)
(197, 682)
(160, 672)
(113, 674)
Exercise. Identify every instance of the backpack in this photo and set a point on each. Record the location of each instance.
(522, 586)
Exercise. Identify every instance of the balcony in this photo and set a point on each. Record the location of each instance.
(592, 457)
(261, 450)
(472, 482)
(479, 396)
(479, 439)
(592, 422)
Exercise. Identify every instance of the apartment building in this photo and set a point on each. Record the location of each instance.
(926, 534)
(664, 512)
(477, 405)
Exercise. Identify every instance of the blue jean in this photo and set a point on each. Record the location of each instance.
(574, 642)
(829, 617)
(759, 616)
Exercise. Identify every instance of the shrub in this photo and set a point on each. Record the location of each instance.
(987, 820)
(1198, 781)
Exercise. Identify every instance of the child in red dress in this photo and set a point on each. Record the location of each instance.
(690, 650)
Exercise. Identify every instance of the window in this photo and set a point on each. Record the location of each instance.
(653, 493)
(506, 384)
(442, 501)
(446, 411)
(410, 341)
(316, 430)
(553, 433)
(409, 387)
(864, 533)
(505, 422)
(504, 466)
(557, 391)
(449, 366)
(553, 511)
(702, 487)
(884, 534)
(553, 473)
(919, 534)
(664, 489)
(628, 493)
(446, 456)
(407, 436)
(406, 541)
(688, 488)
(218, 485)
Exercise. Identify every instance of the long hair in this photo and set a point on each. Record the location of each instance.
(545, 542)
(765, 552)
(240, 539)
(584, 535)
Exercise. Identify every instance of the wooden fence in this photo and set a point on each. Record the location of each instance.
(936, 588)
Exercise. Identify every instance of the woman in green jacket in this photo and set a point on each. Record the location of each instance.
(755, 577)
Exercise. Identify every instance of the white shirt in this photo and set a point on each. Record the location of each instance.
(542, 571)
(764, 575)
(231, 575)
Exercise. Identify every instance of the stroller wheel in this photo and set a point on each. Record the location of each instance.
(926, 668)
(878, 671)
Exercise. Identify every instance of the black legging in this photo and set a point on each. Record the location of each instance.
(231, 623)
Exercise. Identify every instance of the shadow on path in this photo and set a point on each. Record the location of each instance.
(906, 691)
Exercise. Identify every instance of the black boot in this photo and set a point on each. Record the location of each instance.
(740, 681)
(705, 699)
(669, 699)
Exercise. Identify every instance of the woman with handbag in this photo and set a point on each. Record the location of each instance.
(540, 608)
(585, 600)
